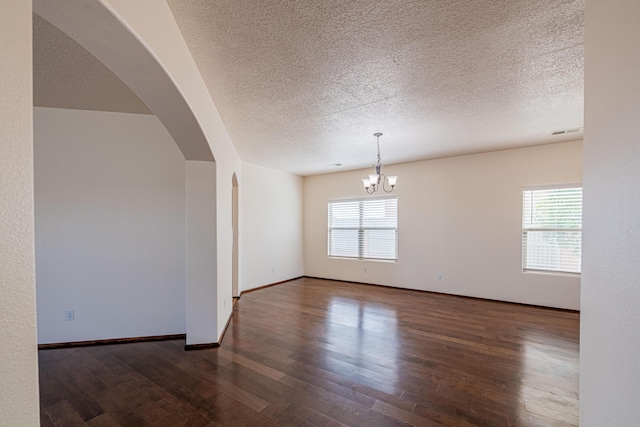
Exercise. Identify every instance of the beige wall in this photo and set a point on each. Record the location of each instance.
(610, 343)
(270, 226)
(459, 217)
(18, 354)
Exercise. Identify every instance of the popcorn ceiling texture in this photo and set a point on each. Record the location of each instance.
(65, 75)
(301, 85)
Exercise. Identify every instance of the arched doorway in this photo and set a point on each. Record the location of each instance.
(235, 293)
(137, 51)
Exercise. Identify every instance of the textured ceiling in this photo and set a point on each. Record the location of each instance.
(66, 75)
(302, 85)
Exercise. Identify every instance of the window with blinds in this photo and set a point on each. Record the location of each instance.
(552, 229)
(364, 228)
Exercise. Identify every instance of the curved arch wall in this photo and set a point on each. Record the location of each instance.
(141, 43)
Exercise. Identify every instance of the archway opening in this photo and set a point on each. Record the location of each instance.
(235, 293)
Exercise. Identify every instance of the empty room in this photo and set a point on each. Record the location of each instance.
(364, 213)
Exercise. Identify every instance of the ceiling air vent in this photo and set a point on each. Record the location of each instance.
(558, 132)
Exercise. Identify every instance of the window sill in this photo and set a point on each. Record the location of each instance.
(364, 259)
(551, 273)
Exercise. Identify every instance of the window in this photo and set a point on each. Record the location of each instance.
(552, 229)
(364, 228)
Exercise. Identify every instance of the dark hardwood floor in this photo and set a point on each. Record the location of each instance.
(325, 353)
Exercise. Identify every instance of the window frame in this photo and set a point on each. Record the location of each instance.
(525, 230)
(362, 229)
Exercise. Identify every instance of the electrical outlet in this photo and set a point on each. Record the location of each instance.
(273, 269)
(439, 277)
(365, 269)
(69, 315)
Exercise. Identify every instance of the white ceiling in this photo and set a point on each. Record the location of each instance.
(302, 85)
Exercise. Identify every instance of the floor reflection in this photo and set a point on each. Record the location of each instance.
(545, 358)
(321, 352)
(362, 339)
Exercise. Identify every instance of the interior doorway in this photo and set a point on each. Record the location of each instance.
(234, 224)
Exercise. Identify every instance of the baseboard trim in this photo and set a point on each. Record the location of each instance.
(568, 310)
(224, 331)
(110, 341)
(190, 347)
(269, 285)
(205, 346)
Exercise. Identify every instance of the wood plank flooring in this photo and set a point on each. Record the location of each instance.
(316, 352)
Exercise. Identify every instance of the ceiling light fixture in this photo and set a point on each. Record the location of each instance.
(378, 180)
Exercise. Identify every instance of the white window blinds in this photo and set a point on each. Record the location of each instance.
(364, 229)
(552, 229)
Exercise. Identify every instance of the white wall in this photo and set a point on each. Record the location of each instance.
(460, 217)
(110, 226)
(19, 367)
(610, 343)
(141, 42)
(271, 244)
(153, 24)
(201, 253)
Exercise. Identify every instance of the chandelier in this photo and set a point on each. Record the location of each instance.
(378, 180)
